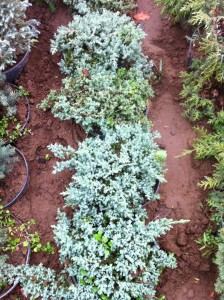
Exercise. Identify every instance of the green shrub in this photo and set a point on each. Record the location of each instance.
(84, 6)
(211, 145)
(8, 98)
(114, 175)
(119, 260)
(115, 260)
(119, 97)
(9, 126)
(6, 159)
(16, 33)
(173, 7)
(220, 262)
(37, 281)
(216, 203)
(100, 41)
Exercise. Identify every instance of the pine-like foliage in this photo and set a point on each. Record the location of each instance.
(84, 6)
(117, 260)
(38, 281)
(197, 104)
(220, 262)
(6, 159)
(173, 7)
(100, 41)
(116, 98)
(16, 33)
(211, 145)
(215, 201)
(113, 260)
(114, 175)
(8, 98)
(194, 12)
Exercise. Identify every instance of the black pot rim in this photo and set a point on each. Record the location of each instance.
(25, 184)
(13, 73)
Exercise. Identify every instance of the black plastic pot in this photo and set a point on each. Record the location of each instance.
(146, 111)
(7, 291)
(156, 186)
(13, 73)
(25, 184)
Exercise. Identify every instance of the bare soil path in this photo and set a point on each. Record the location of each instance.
(180, 197)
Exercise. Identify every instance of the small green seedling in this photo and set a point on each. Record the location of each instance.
(22, 91)
(48, 157)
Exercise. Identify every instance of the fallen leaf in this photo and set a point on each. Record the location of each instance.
(212, 295)
(142, 16)
(85, 72)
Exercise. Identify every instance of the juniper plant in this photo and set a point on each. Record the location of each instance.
(117, 98)
(16, 33)
(114, 175)
(100, 41)
(85, 6)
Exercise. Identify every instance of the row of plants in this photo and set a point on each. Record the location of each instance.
(107, 246)
(203, 99)
(16, 37)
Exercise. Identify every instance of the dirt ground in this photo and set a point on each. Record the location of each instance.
(180, 197)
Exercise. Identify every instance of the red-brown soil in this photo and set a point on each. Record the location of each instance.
(180, 197)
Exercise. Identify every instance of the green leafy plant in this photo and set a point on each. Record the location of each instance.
(107, 244)
(10, 127)
(22, 91)
(100, 41)
(106, 97)
(208, 242)
(18, 234)
(16, 33)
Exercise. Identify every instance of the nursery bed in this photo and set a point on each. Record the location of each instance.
(180, 198)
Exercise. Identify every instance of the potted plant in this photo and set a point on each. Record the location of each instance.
(114, 175)
(14, 239)
(116, 259)
(12, 124)
(111, 97)
(16, 35)
(100, 41)
(7, 158)
(17, 240)
(84, 6)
